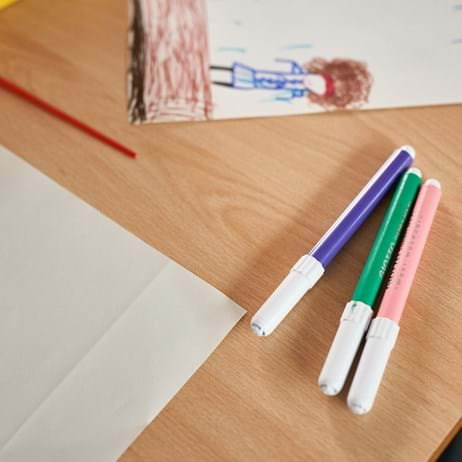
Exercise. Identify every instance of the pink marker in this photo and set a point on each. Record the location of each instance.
(384, 328)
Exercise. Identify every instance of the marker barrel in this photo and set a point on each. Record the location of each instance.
(384, 329)
(394, 299)
(363, 204)
(386, 241)
(281, 302)
(358, 312)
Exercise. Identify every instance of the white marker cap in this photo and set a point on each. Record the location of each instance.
(301, 278)
(381, 339)
(353, 324)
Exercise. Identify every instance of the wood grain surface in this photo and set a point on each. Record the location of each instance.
(237, 202)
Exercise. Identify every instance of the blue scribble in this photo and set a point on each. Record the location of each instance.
(284, 96)
(290, 83)
(278, 97)
(297, 46)
(456, 41)
(457, 7)
(232, 49)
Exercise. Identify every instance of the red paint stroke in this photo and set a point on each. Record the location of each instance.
(65, 117)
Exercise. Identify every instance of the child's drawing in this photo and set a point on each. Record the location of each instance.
(214, 59)
(339, 83)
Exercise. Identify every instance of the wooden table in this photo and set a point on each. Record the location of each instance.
(237, 202)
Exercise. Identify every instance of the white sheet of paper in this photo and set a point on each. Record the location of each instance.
(216, 59)
(412, 49)
(98, 330)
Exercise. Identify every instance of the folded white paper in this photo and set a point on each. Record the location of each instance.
(98, 330)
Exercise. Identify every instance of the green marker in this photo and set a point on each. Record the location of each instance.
(358, 312)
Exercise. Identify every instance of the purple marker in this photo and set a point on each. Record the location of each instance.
(308, 270)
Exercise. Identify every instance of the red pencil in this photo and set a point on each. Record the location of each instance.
(66, 117)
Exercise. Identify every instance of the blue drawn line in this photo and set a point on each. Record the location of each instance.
(297, 46)
(457, 7)
(245, 77)
(232, 49)
(276, 99)
(456, 41)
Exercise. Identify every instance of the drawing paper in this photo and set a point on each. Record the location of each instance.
(98, 330)
(216, 59)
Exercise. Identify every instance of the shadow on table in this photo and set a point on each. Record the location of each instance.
(453, 453)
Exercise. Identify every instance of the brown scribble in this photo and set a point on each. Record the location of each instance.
(351, 83)
(169, 64)
(136, 107)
